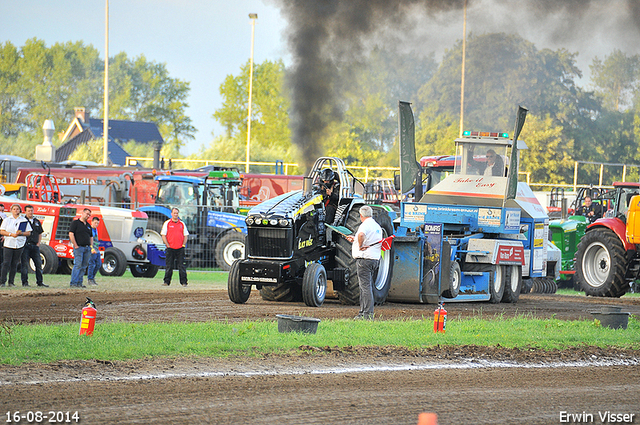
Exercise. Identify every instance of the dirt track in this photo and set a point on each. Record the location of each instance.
(190, 305)
(463, 385)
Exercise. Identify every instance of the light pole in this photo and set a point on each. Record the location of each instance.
(105, 128)
(253, 17)
(464, 58)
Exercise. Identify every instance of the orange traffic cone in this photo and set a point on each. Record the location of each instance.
(427, 419)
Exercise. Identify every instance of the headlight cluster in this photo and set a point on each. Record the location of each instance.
(259, 221)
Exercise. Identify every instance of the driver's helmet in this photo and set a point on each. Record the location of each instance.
(328, 177)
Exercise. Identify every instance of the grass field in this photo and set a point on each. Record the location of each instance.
(126, 341)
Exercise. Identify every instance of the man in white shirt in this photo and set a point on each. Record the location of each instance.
(366, 250)
(15, 229)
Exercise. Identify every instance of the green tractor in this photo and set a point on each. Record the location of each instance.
(567, 231)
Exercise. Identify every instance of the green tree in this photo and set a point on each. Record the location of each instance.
(502, 71)
(39, 82)
(548, 154)
(90, 151)
(12, 114)
(616, 79)
(270, 135)
(140, 90)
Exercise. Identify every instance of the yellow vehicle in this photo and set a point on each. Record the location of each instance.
(11, 190)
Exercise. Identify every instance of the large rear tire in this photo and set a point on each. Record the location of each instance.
(49, 260)
(513, 284)
(601, 264)
(283, 292)
(314, 285)
(152, 234)
(114, 264)
(144, 270)
(350, 295)
(238, 293)
(229, 249)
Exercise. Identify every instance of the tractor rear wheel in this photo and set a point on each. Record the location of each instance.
(238, 292)
(284, 292)
(350, 295)
(229, 249)
(314, 285)
(601, 264)
(152, 234)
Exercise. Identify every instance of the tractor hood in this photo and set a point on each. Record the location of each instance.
(289, 205)
(528, 203)
(463, 189)
(484, 191)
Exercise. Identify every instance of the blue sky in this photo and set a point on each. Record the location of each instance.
(200, 41)
(203, 41)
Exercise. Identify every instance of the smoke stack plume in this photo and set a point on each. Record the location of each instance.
(326, 35)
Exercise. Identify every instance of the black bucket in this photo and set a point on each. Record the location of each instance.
(612, 317)
(288, 323)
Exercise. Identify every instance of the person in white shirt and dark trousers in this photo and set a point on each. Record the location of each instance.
(15, 229)
(366, 249)
(31, 249)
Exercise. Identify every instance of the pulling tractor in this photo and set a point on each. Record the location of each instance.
(291, 253)
(469, 238)
(607, 260)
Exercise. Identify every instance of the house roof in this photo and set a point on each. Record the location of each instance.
(81, 132)
(124, 131)
(117, 155)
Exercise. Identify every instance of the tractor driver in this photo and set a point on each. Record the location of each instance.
(494, 165)
(330, 188)
(590, 210)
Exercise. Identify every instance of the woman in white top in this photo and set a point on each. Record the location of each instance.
(15, 229)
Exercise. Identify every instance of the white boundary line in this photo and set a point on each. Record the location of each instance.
(473, 364)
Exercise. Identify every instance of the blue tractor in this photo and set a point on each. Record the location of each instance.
(207, 207)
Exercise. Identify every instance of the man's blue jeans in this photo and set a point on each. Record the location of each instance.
(95, 261)
(81, 255)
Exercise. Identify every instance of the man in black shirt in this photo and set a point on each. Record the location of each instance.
(590, 210)
(81, 236)
(32, 249)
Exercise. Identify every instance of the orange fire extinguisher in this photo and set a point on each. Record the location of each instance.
(88, 319)
(440, 319)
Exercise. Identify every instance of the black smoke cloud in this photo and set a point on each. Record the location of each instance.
(325, 35)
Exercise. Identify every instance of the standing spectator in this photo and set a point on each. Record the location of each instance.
(95, 261)
(15, 230)
(175, 234)
(2, 217)
(32, 249)
(81, 237)
(366, 250)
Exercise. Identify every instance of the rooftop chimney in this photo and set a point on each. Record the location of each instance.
(82, 114)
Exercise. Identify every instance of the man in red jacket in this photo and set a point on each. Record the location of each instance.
(175, 234)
